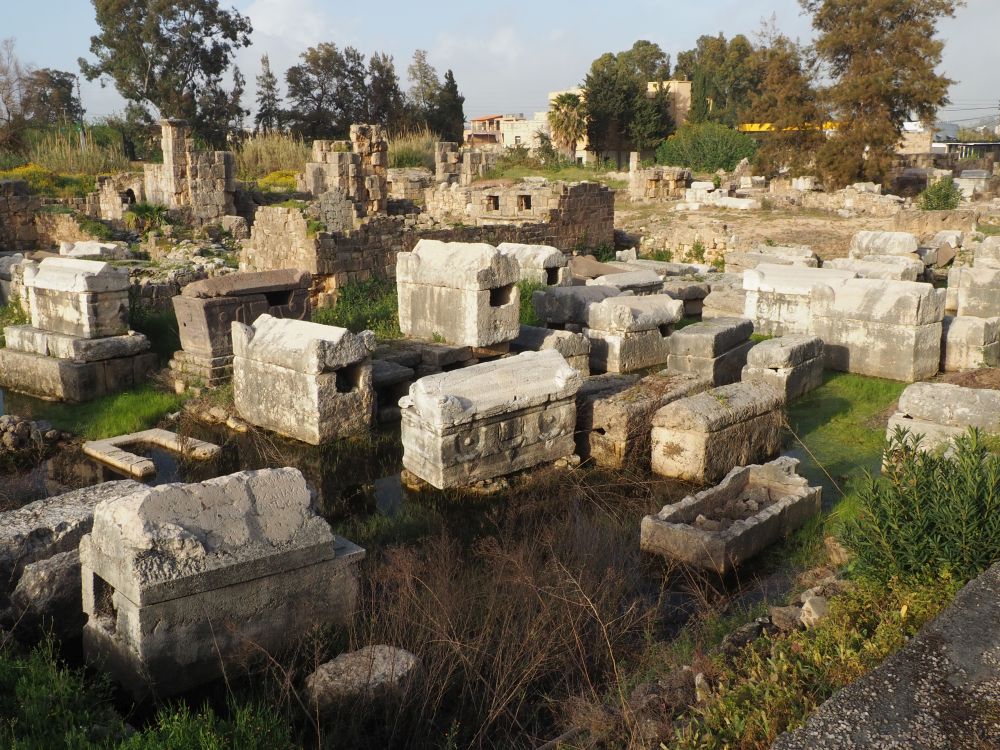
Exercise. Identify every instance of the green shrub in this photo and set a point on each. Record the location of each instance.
(362, 305)
(95, 228)
(250, 727)
(528, 315)
(604, 253)
(943, 195)
(929, 513)
(141, 217)
(281, 181)
(11, 314)
(697, 252)
(48, 183)
(706, 147)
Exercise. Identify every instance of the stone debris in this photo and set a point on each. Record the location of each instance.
(371, 672)
(692, 294)
(630, 333)
(884, 329)
(814, 609)
(565, 307)
(895, 267)
(47, 599)
(701, 438)
(779, 299)
(969, 343)
(792, 364)
(111, 451)
(738, 262)
(977, 291)
(78, 345)
(540, 264)
(177, 579)
(304, 380)
(459, 293)
(574, 347)
(940, 412)
(23, 441)
(635, 282)
(92, 249)
(715, 349)
(490, 420)
(883, 243)
(720, 528)
(615, 412)
(206, 311)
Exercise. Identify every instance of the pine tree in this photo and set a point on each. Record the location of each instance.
(268, 117)
(447, 115)
(881, 57)
(385, 97)
(425, 84)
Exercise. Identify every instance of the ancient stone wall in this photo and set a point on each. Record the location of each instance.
(53, 228)
(455, 165)
(203, 182)
(17, 216)
(408, 183)
(656, 183)
(358, 167)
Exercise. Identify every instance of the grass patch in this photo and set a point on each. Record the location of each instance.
(159, 327)
(115, 414)
(364, 305)
(413, 149)
(568, 174)
(266, 154)
(12, 314)
(528, 315)
(988, 229)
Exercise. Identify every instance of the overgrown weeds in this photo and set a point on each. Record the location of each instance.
(11, 314)
(528, 315)
(45, 182)
(62, 151)
(266, 153)
(413, 149)
(362, 305)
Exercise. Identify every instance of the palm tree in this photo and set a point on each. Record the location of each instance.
(568, 121)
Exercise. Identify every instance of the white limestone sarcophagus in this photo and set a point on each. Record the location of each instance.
(779, 299)
(180, 579)
(458, 292)
(631, 333)
(792, 364)
(303, 380)
(937, 413)
(490, 419)
(541, 264)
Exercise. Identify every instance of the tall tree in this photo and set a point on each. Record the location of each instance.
(385, 99)
(788, 101)
(568, 121)
(447, 115)
(424, 82)
(723, 74)
(352, 89)
(12, 95)
(220, 113)
(268, 117)
(165, 52)
(50, 97)
(881, 57)
(611, 91)
(648, 60)
(312, 91)
(651, 120)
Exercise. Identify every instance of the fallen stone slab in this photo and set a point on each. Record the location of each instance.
(701, 438)
(373, 672)
(636, 282)
(899, 268)
(978, 291)
(720, 528)
(940, 690)
(559, 306)
(89, 248)
(969, 343)
(179, 580)
(47, 599)
(588, 267)
(691, 293)
(724, 302)
(779, 299)
(615, 413)
(490, 420)
(740, 261)
(574, 347)
(47, 527)
(111, 451)
(882, 243)
(33, 340)
(940, 412)
(792, 364)
(714, 349)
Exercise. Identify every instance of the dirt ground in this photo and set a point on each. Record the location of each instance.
(986, 378)
(826, 233)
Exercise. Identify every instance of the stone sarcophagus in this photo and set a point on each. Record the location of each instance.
(721, 527)
(715, 349)
(183, 583)
(779, 299)
(541, 264)
(631, 333)
(206, 311)
(304, 380)
(461, 293)
(792, 364)
(490, 419)
(78, 346)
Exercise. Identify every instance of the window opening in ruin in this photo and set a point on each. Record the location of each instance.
(104, 604)
(524, 203)
(348, 378)
(128, 197)
(551, 276)
(501, 295)
(517, 140)
(492, 202)
(600, 431)
(665, 330)
(278, 298)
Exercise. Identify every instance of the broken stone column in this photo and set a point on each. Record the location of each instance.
(78, 346)
(939, 412)
(631, 333)
(540, 264)
(457, 292)
(490, 420)
(615, 413)
(574, 347)
(791, 364)
(304, 380)
(779, 299)
(720, 528)
(183, 583)
(969, 343)
(885, 329)
(701, 438)
(206, 311)
(714, 349)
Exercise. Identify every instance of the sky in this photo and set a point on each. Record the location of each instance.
(506, 56)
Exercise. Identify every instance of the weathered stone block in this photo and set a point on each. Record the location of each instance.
(304, 380)
(738, 262)
(82, 298)
(574, 347)
(779, 299)
(636, 282)
(615, 412)
(562, 305)
(939, 412)
(978, 291)
(720, 528)
(714, 349)
(489, 420)
(65, 380)
(969, 343)
(701, 438)
(541, 264)
(791, 364)
(898, 267)
(178, 578)
(883, 243)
